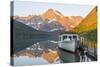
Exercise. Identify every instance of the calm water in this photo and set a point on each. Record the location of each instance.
(44, 52)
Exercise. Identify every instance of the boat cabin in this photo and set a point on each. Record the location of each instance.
(68, 37)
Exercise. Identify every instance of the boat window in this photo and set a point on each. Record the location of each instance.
(64, 37)
(70, 37)
(74, 37)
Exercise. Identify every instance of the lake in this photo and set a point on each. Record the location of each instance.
(43, 52)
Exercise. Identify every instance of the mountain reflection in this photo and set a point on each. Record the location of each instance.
(47, 50)
(50, 56)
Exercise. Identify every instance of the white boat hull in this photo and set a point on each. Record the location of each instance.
(68, 57)
(68, 45)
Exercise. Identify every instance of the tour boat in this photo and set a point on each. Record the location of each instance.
(68, 42)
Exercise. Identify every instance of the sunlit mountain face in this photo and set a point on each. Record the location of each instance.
(49, 21)
(67, 22)
(88, 23)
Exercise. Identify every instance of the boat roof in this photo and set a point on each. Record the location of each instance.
(69, 34)
(66, 32)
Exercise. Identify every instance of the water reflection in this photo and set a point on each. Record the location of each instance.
(67, 56)
(45, 52)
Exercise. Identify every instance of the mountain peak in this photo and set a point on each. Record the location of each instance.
(49, 12)
(54, 14)
(54, 11)
(50, 9)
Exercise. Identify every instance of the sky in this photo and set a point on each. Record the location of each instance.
(24, 8)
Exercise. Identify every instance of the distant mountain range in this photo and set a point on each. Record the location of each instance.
(38, 23)
(51, 20)
(68, 22)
